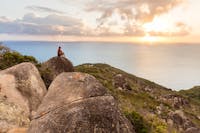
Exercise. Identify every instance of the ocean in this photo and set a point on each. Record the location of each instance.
(175, 66)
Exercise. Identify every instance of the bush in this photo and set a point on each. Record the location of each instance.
(137, 121)
(10, 58)
(157, 124)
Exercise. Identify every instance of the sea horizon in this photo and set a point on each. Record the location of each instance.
(122, 42)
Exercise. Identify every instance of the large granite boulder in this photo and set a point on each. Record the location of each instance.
(53, 67)
(11, 115)
(78, 103)
(22, 89)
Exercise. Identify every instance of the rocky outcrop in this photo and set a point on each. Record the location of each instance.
(175, 100)
(120, 82)
(181, 122)
(53, 67)
(77, 102)
(23, 90)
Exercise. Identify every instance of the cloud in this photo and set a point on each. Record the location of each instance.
(43, 9)
(49, 25)
(3, 19)
(139, 10)
(180, 29)
(132, 14)
(114, 18)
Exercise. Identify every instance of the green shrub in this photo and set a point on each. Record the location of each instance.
(137, 121)
(157, 125)
(10, 58)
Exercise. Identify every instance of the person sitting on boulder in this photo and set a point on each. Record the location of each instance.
(60, 52)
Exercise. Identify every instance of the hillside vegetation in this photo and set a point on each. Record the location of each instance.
(151, 107)
(193, 93)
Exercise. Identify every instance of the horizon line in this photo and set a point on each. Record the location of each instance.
(123, 42)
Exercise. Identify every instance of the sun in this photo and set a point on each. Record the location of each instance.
(151, 39)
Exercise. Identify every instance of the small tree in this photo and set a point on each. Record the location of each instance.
(10, 58)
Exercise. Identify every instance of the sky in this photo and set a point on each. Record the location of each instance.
(101, 20)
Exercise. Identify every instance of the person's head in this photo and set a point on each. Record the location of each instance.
(59, 47)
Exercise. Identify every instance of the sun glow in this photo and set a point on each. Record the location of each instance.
(152, 39)
(156, 29)
(159, 24)
(149, 38)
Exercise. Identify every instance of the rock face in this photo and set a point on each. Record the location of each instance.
(22, 89)
(119, 81)
(77, 102)
(11, 115)
(53, 67)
